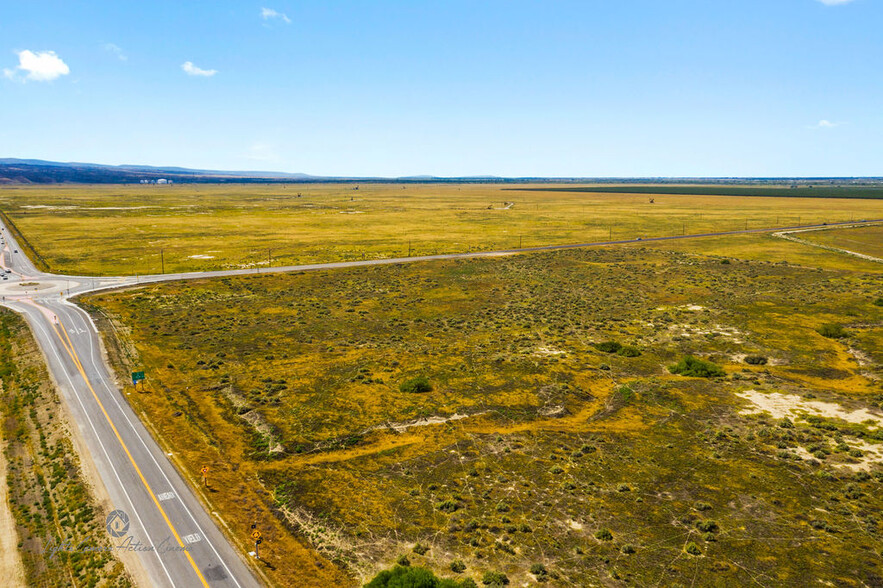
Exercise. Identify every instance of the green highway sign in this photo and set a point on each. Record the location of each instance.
(137, 377)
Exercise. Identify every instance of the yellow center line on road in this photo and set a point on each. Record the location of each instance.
(69, 347)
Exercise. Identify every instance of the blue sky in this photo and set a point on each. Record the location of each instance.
(451, 87)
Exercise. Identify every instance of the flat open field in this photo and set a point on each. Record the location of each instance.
(867, 240)
(535, 452)
(131, 229)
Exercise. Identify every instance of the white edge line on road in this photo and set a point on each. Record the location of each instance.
(150, 453)
(104, 449)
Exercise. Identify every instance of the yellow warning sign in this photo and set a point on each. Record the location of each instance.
(255, 534)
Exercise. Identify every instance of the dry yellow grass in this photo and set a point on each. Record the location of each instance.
(130, 229)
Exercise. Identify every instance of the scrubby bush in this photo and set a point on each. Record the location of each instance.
(756, 360)
(696, 368)
(608, 346)
(603, 535)
(628, 549)
(629, 351)
(416, 385)
(403, 561)
(494, 579)
(879, 302)
(408, 577)
(448, 506)
(458, 567)
(707, 526)
(420, 549)
(538, 570)
(692, 549)
(832, 331)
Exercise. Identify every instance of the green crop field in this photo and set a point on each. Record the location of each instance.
(521, 415)
(133, 229)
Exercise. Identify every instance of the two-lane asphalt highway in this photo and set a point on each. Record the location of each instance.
(178, 543)
(176, 540)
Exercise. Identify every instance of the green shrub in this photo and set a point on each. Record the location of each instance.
(416, 385)
(494, 579)
(629, 351)
(707, 526)
(604, 535)
(458, 567)
(408, 577)
(696, 368)
(538, 569)
(404, 577)
(756, 360)
(832, 331)
(448, 506)
(628, 549)
(403, 561)
(420, 549)
(692, 549)
(608, 346)
(879, 302)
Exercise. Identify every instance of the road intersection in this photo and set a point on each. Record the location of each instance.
(179, 544)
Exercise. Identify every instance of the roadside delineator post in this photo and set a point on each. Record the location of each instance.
(205, 476)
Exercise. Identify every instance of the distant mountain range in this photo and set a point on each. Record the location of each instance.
(38, 171)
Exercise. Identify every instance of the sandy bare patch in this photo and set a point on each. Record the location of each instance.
(862, 358)
(424, 422)
(548, 351)
(200, 256)
(792, 406)
(11, 569)
(871, 454)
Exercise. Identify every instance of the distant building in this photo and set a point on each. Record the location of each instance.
(162, 181)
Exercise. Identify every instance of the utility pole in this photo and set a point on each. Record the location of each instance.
(520, 241)
(409, 248)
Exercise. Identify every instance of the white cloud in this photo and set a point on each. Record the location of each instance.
(192, 70)
(116, 50)
(834, 2)
(824, 124)
(42, 66)
(269, 13)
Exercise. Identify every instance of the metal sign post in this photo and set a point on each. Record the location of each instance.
(256, 535)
